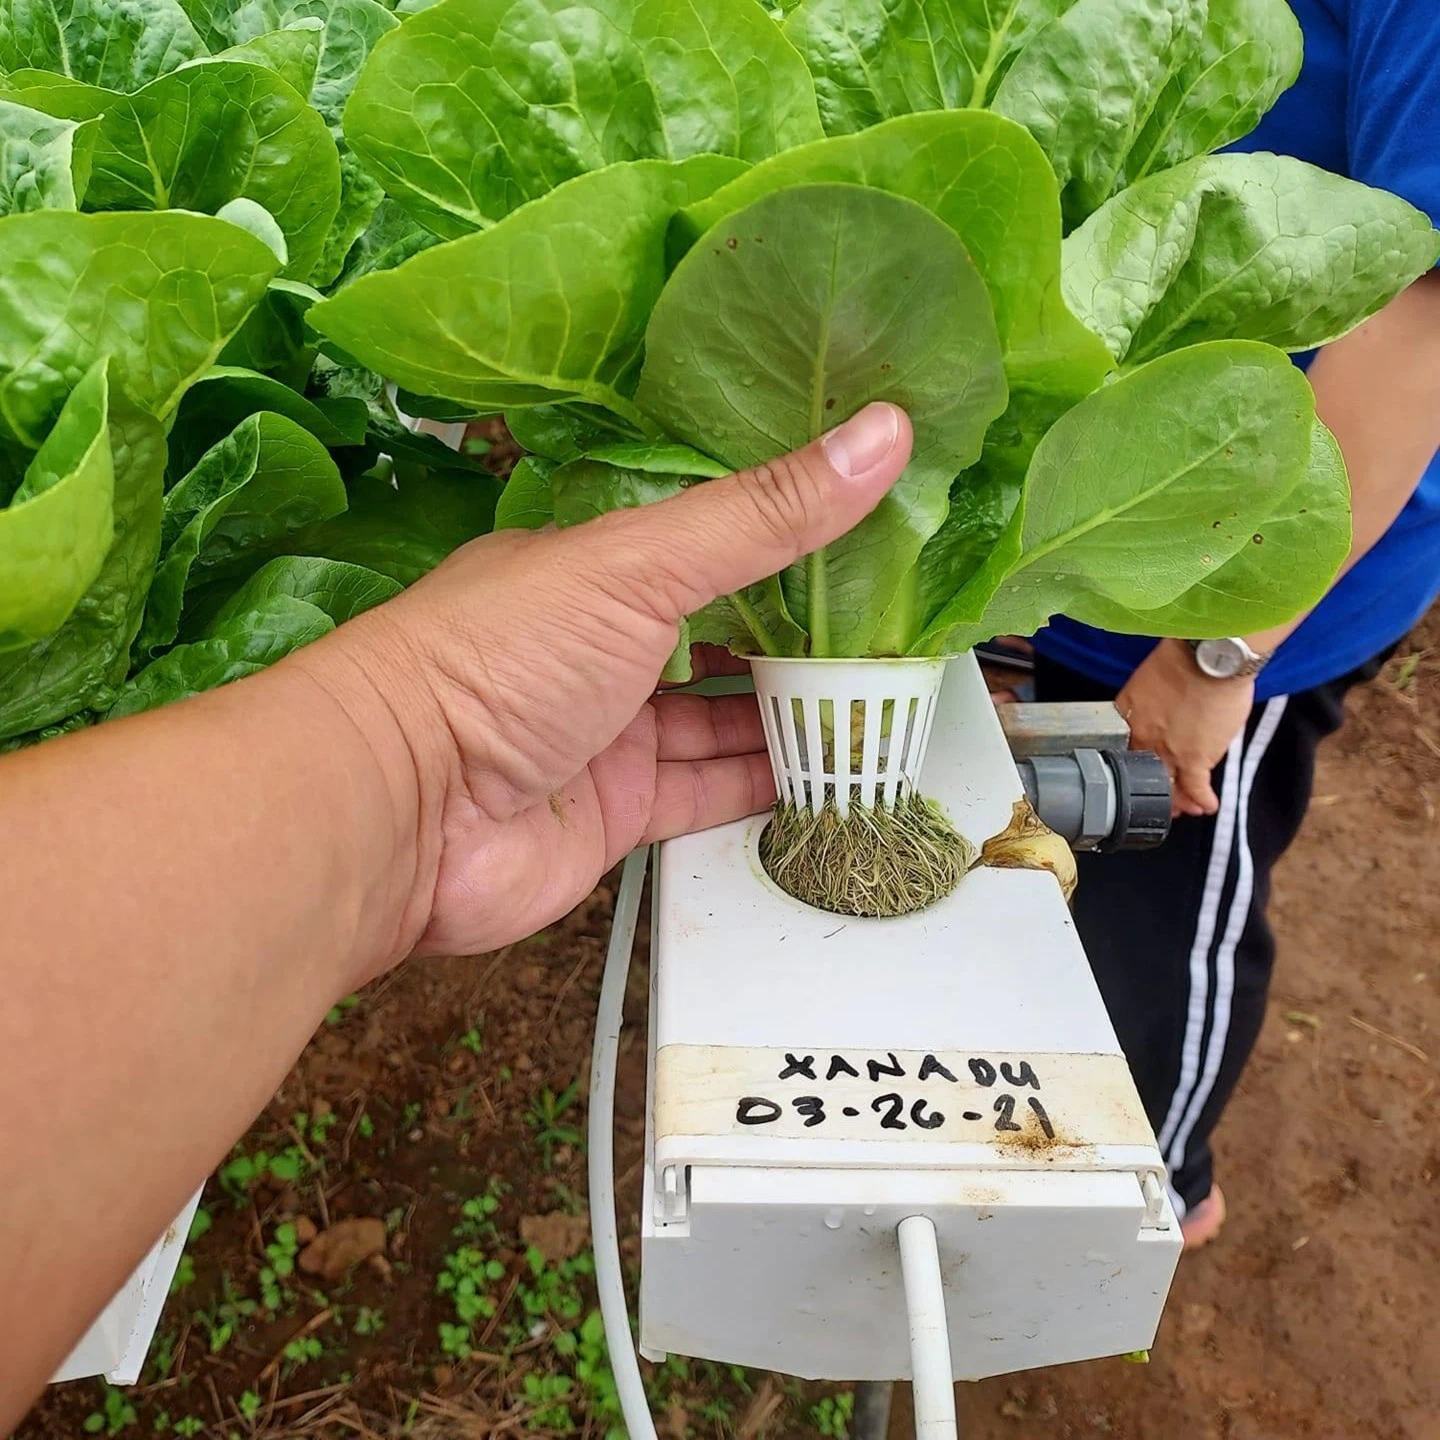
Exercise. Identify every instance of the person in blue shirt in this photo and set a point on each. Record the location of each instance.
(1178, 936)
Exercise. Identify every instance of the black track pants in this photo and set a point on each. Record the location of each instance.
(1177, 936)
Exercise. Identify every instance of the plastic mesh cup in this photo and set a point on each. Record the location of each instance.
(846, 730)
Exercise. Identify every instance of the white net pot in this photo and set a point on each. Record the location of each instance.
(846, 731)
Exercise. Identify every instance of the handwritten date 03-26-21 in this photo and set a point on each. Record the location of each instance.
(892, 1110)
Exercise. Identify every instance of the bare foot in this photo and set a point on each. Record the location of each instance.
(1204, 1221)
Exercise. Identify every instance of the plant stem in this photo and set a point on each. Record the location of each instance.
(817, 602)
(757, 627)
(900, 624)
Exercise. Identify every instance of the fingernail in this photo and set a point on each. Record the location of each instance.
(863, 441)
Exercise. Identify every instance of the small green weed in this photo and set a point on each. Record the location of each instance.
(239, 1175)
(546, 1117)
(470, 1041)
(467, 1278)
(223, 1319)
(368, 1321)
(184, 1276)
(593, 1373)
(552, 1292)
(116, 1414)
(832, 1415)
(364, 1126)
(189, 1426)
(315, 1129)
(303, 1350)
(281, 1253)
(250, 1404)
(340, 1009)
(547, 1396)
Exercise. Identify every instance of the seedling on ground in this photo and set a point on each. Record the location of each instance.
(341, 1009)
(546, 1117)
(831, 1416)
(280, 1254)
(548, 1395)
(116, 1414)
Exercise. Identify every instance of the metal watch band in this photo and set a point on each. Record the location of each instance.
(1252, 662)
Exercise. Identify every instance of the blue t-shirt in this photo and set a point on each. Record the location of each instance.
(1366, 105)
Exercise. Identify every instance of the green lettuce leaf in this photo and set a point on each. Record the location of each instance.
(875, 59)
(1260, 247)
(833, 296)
(78, 667)
(338, 588)
(1143, 490)
(189, 281)
(208, 134)
(476, 106)
(1245, 58)
(548, 305)
(44, 162)
(244, 645)
(118, 44)
(275, 339)
(1086, 86)
(293, 53)
(404, 525)
(60, 522)
(225, 395)
(1287, 567)
(987, 179)
(526, 502)
(263, 482)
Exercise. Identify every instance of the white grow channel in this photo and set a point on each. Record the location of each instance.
(900, 1149)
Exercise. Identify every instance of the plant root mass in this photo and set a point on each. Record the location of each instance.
(876, 862)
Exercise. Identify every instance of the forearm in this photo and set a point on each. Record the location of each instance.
(1378, 390)
(185, 894)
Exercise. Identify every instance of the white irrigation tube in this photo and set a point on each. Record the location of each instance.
(933, 1379)
(609, 1277)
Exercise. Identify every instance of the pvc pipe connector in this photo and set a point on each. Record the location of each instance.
(839, 730)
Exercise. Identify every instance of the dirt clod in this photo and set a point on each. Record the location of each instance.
(343, 1246)
(556, 1237)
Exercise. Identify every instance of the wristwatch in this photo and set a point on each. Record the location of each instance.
(1227, 659)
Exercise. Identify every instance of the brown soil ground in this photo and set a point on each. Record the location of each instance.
(1315, 1315)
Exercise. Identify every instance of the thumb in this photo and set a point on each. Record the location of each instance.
(725, 534)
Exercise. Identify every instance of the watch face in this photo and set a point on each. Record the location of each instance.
(1222, 659)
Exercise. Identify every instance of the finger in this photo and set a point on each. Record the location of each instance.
(722, 535)
(701, 727)
(1004, 697)
(696, 794)
(1192, 784)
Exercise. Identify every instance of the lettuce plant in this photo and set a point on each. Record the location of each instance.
(189, 489)
(682, 239)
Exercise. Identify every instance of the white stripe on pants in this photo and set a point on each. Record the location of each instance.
(1199, 1071)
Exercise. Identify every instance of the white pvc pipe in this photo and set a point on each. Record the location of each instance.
(609, 1277)
(934, 1381)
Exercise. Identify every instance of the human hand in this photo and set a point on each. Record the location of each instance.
(509, 697)
(1186, 718)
